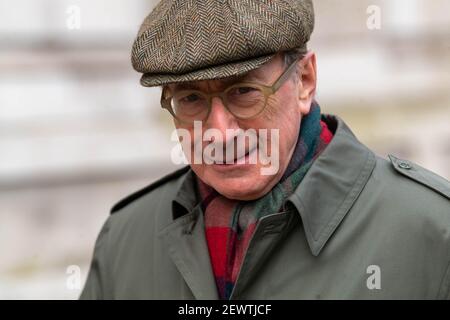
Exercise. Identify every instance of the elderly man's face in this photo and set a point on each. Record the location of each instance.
(284, 112)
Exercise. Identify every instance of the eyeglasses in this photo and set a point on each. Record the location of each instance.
(243, 100)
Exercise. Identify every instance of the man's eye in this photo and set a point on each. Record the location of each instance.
(243, 90)
(190, 98)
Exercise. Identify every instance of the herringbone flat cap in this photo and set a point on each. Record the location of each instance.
(189, 40)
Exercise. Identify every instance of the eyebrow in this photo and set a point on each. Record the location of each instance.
(193, 85)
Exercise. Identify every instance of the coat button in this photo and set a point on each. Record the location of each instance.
(404, 165)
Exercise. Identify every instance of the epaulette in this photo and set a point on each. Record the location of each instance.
(421, 175)
(135, 195)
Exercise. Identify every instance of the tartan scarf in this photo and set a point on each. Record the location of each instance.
(229, 224)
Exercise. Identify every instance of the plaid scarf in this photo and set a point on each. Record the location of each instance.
(229, 224)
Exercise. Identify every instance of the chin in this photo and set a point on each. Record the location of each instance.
(241, 194)
(241, 189)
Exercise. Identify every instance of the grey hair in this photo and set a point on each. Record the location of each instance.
(293, 54)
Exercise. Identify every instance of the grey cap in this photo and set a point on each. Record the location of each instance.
(191, 40)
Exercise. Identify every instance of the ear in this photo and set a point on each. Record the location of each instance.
(308, 81)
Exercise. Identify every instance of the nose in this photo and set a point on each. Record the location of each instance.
(220, 118)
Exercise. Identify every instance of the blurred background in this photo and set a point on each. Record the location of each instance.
(78, 132)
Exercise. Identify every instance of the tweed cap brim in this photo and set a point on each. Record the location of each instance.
(211, 73)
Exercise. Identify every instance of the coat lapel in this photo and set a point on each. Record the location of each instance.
(186, 244)
(332, 185)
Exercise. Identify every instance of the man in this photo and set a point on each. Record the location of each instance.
(328, 220)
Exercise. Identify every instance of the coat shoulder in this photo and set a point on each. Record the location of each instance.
(409, 192)
(411, 171)
(148, 189)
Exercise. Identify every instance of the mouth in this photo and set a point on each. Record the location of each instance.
(237, 160)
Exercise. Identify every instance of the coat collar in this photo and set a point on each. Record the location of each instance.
(332, 185)
(326, 193)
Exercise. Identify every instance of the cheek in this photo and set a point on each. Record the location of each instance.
(186, 138)
(289, 128)
(282, 106)
(283, 114)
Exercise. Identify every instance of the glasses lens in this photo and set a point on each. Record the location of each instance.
(245, 100)
(189, 105)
